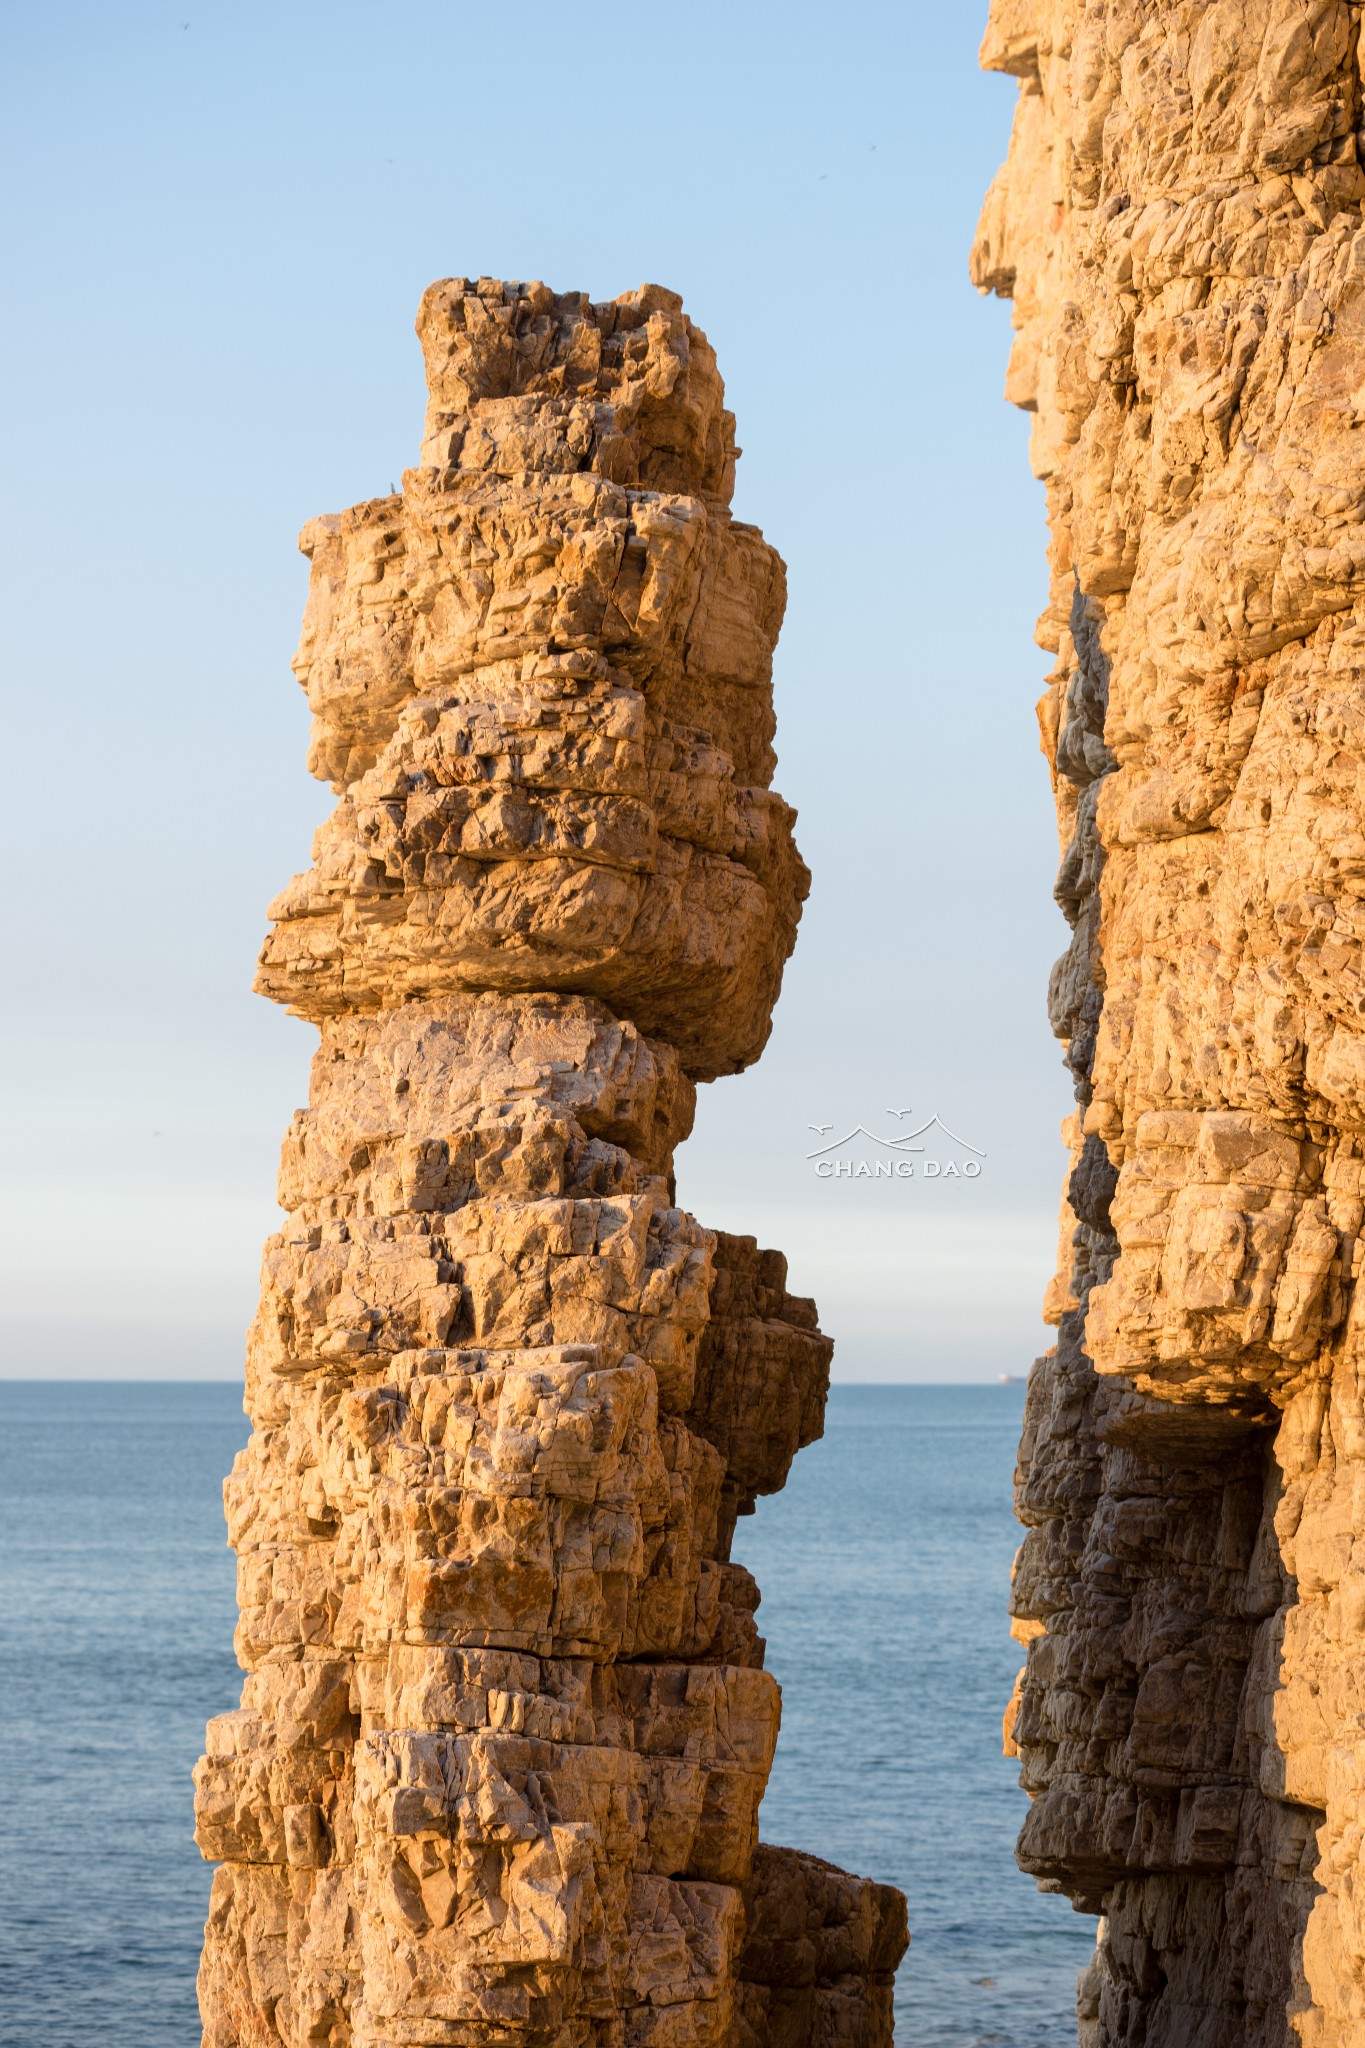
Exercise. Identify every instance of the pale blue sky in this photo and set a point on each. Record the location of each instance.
(220, 221)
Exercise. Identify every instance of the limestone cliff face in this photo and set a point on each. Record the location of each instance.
(1179, 224)
(505, 1727)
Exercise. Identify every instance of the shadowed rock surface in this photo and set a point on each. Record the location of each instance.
(1179, 224)
(496, 1772)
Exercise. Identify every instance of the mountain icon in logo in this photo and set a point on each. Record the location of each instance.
(903, 1144)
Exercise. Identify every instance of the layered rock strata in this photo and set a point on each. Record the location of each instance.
(1179, 224)
(505, 1728)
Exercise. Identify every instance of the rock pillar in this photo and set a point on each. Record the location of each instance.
(496, 1772)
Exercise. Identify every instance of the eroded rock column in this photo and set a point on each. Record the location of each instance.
(505, 1727)
(1179, 224)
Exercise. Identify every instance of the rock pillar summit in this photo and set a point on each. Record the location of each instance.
(1179, 224)
(505, 1728)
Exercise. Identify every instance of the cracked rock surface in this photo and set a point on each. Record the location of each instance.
(1179, 225)
(505, 1728)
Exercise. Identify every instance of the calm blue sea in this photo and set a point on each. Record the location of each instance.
(884, 1566)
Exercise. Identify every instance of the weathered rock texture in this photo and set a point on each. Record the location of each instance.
(496, 1772)
(1179, 224)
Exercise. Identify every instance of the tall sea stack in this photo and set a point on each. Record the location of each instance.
(505, 1729)
(1179, 224)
